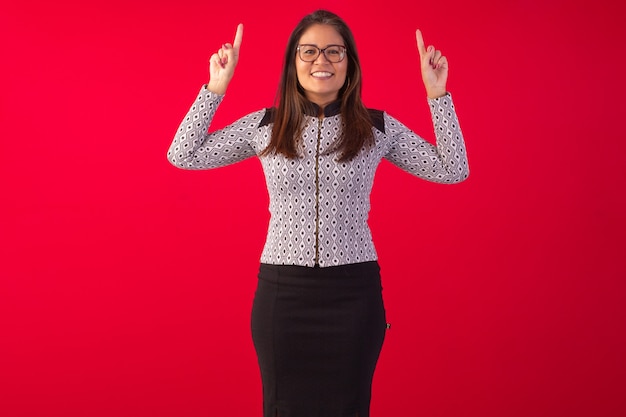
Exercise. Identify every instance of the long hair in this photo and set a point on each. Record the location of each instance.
(293, 104)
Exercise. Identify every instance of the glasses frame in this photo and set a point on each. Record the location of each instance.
(321, 51)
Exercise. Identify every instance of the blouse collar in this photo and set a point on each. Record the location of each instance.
(331, 109)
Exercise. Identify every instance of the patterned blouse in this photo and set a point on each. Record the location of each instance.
(319, 206)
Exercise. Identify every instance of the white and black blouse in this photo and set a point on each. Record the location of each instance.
(319, 207)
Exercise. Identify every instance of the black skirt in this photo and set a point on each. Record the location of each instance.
(318, 333)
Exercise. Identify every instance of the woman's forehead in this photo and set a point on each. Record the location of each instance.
(321, 35)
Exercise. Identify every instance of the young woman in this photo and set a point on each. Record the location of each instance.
(318, 320)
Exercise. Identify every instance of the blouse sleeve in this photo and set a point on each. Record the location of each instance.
(445, 162)
(194, 148)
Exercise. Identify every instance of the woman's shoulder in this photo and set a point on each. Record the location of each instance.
(378, 119)
(269, 114)
(254, 120)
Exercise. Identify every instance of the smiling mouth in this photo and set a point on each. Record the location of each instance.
(321, 74)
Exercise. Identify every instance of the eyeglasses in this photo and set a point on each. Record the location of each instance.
(333, 53)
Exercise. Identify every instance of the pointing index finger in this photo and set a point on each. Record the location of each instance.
(238, 36)
(420, 42)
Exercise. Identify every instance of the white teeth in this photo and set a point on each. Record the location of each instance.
(321, 74)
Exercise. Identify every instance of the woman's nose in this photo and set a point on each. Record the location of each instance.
(321, 58)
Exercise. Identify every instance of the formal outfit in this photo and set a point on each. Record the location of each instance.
(318, 320)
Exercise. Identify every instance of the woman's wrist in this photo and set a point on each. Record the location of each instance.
(434, 94)
(216, 88)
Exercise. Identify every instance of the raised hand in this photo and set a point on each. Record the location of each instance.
(434, 68)
(222, 64)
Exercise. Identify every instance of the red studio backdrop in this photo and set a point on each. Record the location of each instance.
(126, 284)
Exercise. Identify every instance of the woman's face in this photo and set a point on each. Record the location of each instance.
(321, 79)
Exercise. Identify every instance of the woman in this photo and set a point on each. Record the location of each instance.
(318, 320)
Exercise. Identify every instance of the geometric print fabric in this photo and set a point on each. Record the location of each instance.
(319, 207)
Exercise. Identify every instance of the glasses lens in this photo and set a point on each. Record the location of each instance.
(334, 53)
(308, 53)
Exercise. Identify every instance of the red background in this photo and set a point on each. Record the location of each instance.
(127, 284)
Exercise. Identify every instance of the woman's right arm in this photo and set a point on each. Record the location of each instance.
(193, 147)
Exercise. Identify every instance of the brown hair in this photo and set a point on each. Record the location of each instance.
(293, 104)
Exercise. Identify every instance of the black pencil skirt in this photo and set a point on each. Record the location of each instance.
(318, 333)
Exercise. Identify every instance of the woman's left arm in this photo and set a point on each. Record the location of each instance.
(447, 161)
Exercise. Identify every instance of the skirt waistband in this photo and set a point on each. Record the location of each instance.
(362, 274)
